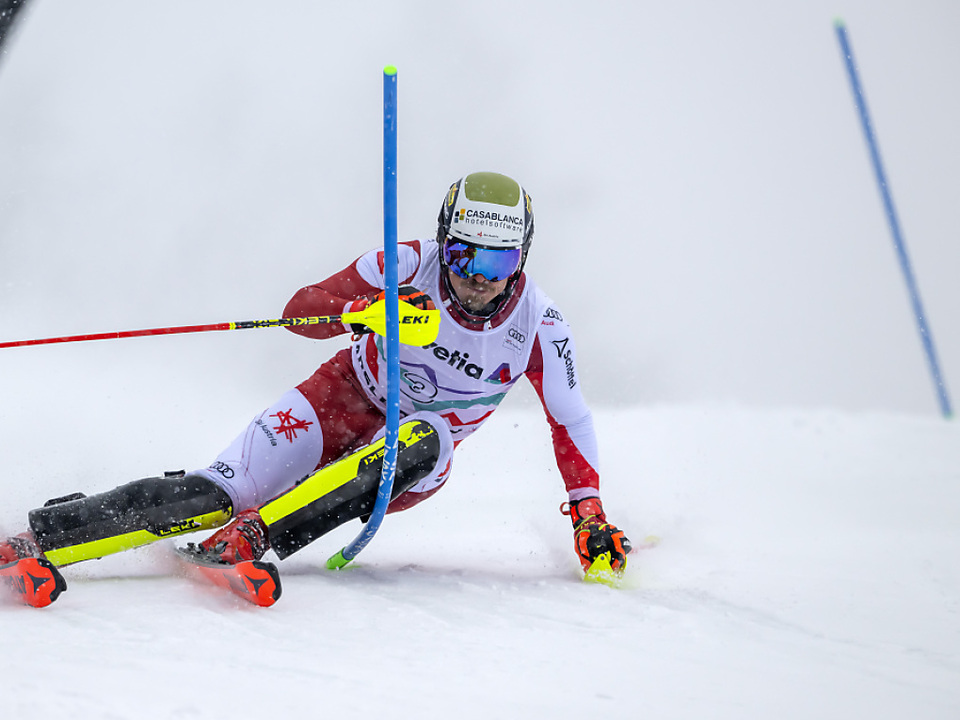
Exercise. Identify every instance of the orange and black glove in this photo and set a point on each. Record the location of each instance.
(593, 535)
(407, 294)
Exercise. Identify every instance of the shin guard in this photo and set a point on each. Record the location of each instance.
(77, 528)
(347, 488)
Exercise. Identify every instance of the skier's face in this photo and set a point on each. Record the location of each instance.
(475, 292)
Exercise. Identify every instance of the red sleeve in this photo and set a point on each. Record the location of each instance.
(328, 297)
(575, 469)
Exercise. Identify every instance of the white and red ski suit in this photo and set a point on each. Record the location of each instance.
(462, 378)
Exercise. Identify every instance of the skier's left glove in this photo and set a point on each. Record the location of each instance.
(593, 535)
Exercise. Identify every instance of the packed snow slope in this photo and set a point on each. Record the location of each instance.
(807, 570)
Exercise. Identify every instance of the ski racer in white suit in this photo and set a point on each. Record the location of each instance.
(496, 325)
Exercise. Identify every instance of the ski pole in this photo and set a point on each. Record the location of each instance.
(417, 327)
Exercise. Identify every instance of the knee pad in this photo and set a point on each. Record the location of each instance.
(77, 527)
(428, 482)
(347, 489)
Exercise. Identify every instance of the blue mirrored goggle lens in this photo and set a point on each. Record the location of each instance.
(469, 260)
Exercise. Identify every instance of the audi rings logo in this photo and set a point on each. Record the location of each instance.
(515, 339)
(223, 469)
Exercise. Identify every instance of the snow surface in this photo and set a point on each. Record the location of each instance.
(807, 570)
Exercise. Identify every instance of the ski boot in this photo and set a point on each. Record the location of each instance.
(19, 547)
(243, 539)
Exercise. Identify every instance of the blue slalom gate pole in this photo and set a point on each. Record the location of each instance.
(391, 296)
(925, 335)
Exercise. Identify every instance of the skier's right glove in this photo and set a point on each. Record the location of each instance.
(407, 294)
(356, 306)
(593, 535)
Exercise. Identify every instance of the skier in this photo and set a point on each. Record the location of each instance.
(496, 325)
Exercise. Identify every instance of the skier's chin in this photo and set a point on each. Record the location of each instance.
(475, 295)
(475, 302)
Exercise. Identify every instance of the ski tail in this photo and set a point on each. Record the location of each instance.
(33, 581)
(256, 581)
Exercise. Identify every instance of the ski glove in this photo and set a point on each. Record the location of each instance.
(407, 294)
(593, 535)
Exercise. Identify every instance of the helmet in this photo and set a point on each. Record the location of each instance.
(489, 210)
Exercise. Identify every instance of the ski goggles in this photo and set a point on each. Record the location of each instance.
(468, 260)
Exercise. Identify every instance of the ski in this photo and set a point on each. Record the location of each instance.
(256, 581)
(33, 581)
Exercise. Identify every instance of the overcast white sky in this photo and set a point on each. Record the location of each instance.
(707, 216)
